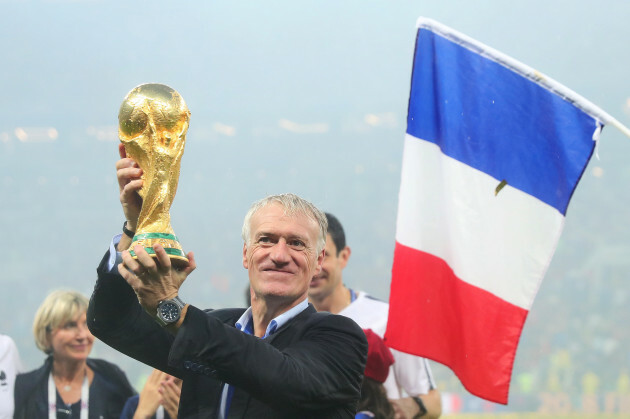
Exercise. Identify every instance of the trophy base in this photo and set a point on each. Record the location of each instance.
(169, 242)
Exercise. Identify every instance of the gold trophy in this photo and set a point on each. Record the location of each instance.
(152, 124)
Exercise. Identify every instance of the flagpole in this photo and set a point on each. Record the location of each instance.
(620, 127)
(524, 70)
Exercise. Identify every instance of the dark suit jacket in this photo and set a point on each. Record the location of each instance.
(31, 391)
(311, 367)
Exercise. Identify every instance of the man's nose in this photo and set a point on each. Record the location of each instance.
(280, 252)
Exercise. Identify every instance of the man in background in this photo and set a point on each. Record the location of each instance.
(410, 386)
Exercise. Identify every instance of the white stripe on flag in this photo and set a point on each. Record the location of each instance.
(481, 236)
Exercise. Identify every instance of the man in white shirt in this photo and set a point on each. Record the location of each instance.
(410, 386)
(10, 366)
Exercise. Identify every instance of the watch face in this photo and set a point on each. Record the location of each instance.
(169, 312)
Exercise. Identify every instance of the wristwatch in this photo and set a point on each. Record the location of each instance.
(128, 232)
(169, 311)
(423, 409)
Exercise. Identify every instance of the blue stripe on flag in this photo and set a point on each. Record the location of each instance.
(497, 121)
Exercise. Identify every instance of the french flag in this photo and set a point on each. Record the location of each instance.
(493, 153)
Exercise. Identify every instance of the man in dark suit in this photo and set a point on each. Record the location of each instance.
(279, 358)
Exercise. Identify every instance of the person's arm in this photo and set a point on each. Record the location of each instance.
(115, 317)
(321, 368)
(113, 301)
(155, 279)
(433, 403)
(408, 408)
(152, 279)
(129, 175)
(413, 374)
(114, 314)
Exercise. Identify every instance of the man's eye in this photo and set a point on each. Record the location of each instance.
(264, 240)
(297, 243)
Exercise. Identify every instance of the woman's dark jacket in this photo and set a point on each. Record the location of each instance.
(31, 391)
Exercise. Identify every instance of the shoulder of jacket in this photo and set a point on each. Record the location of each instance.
(27, 385)
(326, 318)
(101, 364)
(35, 374)
(226, 314)
(26, 379)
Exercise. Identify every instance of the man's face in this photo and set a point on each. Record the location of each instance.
(281, 257)
(330, 278)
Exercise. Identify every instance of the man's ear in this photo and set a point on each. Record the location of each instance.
(320, 260)
(245, 263)
(344, 255)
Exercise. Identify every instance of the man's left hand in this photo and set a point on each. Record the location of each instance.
(154, 279)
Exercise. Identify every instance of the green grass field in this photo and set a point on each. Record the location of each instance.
(538, 416)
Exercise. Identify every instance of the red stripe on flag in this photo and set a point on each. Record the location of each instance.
(434, 314)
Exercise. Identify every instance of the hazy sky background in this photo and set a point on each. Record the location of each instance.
(308, 97)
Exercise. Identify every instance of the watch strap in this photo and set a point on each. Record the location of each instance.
(128, 232)
(421, 406)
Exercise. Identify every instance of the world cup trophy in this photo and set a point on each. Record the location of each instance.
(152, 125)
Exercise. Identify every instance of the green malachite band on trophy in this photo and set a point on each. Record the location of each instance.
(145, 236)
(168, 250)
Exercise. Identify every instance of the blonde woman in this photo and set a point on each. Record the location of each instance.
(69, 384)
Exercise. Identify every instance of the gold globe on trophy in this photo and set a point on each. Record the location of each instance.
(152, 125)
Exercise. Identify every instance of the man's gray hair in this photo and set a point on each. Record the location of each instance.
(292, 205)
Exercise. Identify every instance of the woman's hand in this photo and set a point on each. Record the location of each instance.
(171, 390)
(150, 397)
